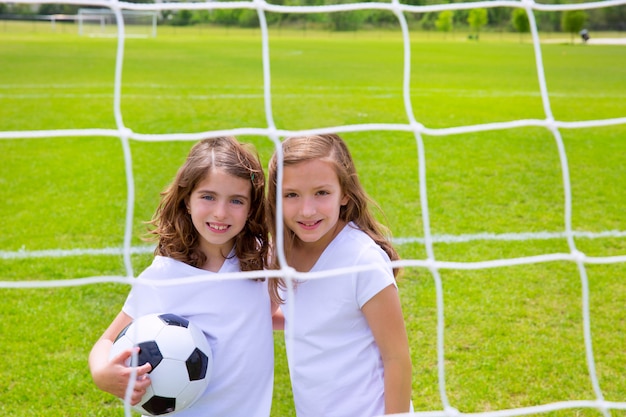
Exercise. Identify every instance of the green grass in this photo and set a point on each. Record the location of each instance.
(514, 335)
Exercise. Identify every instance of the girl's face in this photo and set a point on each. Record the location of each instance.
(219, 208)
(312, 197)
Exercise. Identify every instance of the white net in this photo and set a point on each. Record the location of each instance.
(434, 266)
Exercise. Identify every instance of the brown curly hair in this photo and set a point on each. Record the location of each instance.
(173, 229)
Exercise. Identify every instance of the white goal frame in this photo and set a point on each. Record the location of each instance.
(106, 22)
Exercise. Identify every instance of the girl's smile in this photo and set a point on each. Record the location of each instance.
(218, 228)
(310, 225)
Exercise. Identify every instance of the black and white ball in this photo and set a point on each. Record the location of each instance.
(180, 356)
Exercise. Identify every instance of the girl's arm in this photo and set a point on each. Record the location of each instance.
(383, 313)
(278, 319)
(112, 375)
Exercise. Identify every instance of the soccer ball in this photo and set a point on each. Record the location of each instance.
(180, 356)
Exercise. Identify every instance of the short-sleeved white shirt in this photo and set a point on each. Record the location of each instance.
(235, 316)
(335, 365)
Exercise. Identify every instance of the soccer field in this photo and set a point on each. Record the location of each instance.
(514, 334)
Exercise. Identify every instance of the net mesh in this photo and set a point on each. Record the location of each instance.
(413, 126)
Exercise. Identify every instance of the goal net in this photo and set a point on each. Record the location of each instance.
(428, 260)
(103, 22)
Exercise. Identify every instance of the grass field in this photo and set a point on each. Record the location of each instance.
(513, 335)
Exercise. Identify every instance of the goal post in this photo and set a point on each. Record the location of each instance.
(102, 22)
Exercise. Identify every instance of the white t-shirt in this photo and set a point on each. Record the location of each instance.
(235, 316)
(335, 365)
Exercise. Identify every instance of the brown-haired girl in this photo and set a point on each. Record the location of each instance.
(211, 220)
(348, 354)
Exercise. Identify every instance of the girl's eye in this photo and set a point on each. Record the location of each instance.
(238, 202)
(207, 197)
(322, 192)
(290, 195)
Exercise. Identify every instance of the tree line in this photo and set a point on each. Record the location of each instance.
(475, 20)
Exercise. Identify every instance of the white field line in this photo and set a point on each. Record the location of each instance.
(451, 239)
(509, 236)
(390, 94)
(47, 91)
(591, 41)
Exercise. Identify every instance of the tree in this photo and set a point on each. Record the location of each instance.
(573, 21)
(346, 21)
(477, 18)
(57, 9)
(226, 17)
(181, 18)
(520, 21)
(445, 21)
(248, 19)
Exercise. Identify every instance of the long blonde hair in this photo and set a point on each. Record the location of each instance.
(330, 148)
(174, 231)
